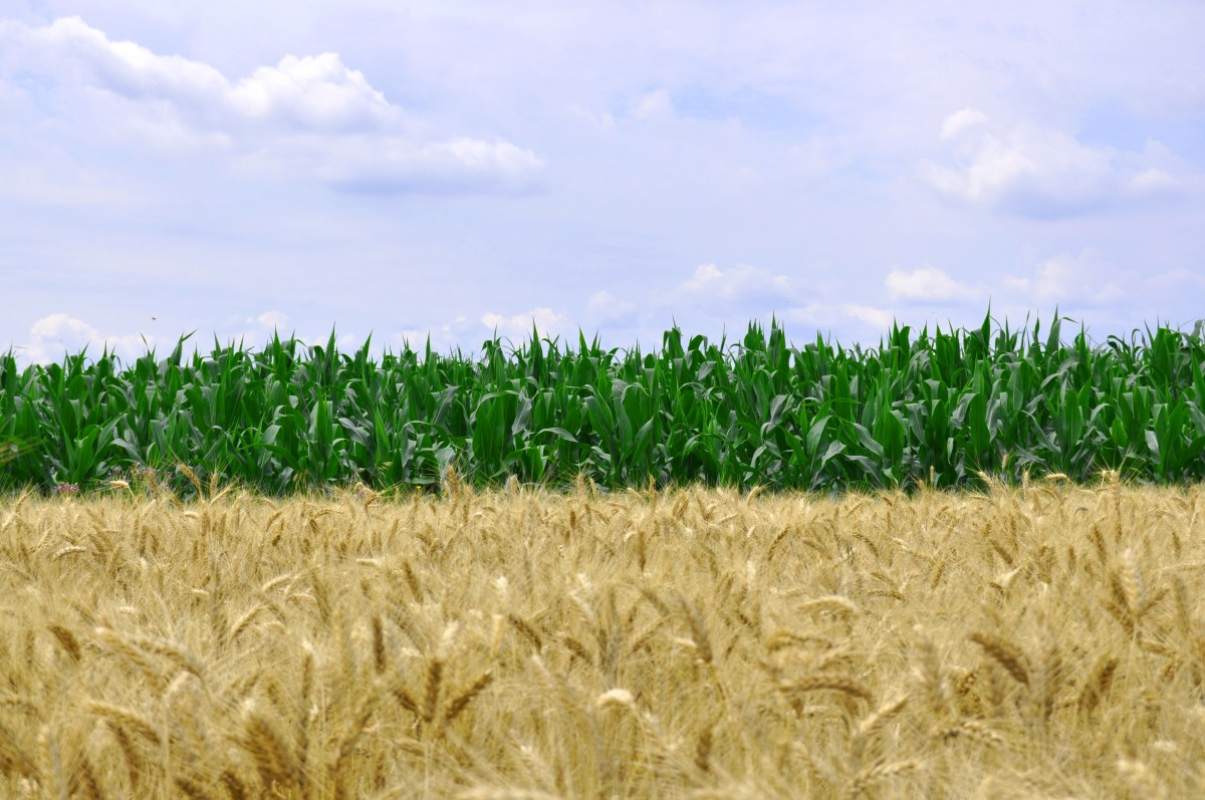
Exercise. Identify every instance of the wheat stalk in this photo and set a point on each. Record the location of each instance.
(1005, 653)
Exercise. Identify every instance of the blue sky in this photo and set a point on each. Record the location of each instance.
(453, 168)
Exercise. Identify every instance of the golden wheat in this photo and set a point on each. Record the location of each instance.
(1043, 641)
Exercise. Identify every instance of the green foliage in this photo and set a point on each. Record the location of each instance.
(938, 406)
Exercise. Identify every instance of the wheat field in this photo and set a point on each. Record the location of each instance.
(1044, 641)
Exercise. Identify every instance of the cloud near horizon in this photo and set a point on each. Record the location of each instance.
(1076, 283)
(445, 170)
(54, 335)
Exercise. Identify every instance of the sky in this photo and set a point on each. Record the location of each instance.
(452, 169)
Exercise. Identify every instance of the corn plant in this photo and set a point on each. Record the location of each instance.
(934, 407)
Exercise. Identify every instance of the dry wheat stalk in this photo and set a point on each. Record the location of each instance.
(1005, 653)
(136, 660)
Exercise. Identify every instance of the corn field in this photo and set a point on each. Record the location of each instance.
(1036, 642)
(935, 408)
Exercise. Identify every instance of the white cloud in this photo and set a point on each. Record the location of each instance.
(962, 121)
(56, 335)
(831, 123)
(1153, 181)
(740, 283)
(827, 315)
(312, 92)
(1081, 280)
(926, 284)
(308, 92)
(600, 120)
(64, 328)
(518, 326)
(1040, 172)
(305, 114)
(605, 307)
(444, 337)
(736, 295)
(652, 105)
(389, 163)
(272, 320)
(869, 315)
(70, 50)
(1056, 279)
(1072, 279)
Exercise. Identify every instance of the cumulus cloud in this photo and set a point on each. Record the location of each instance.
(256, 330)
(1065, 279)
(312, 92)
(1042, 173)
(961, 121)
(309, 112)
(739, 284)
(926, 284)
(308, 92)
(830, 315)
(518, 326)
(738, 294)
(59, 334)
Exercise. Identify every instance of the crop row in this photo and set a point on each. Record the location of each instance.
(922, 406)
